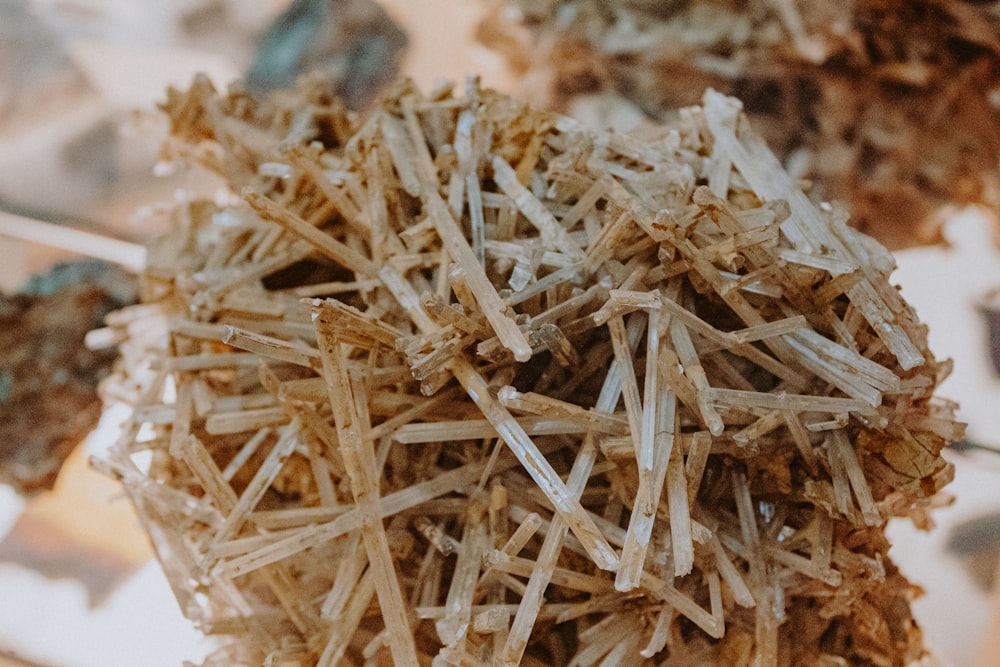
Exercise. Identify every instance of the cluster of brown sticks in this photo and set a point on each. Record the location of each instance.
(461, 381)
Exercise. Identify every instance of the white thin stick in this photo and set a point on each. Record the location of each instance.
(630, 388)
(131, 256)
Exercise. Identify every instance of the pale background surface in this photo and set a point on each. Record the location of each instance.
(128, 64)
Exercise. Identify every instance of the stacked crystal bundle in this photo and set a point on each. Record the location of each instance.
(464, 382)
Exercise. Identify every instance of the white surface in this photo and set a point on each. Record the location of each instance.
(943, 285)
(50, 622)
(953, 612)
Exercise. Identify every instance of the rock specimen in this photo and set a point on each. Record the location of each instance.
(351, 42)
(48, 378)
(465, 381)
(891, 107)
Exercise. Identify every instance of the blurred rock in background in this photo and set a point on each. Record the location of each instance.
(351, 42)
(48, 378)
(892, 108)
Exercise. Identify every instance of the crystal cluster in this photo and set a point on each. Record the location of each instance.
(463, 382)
